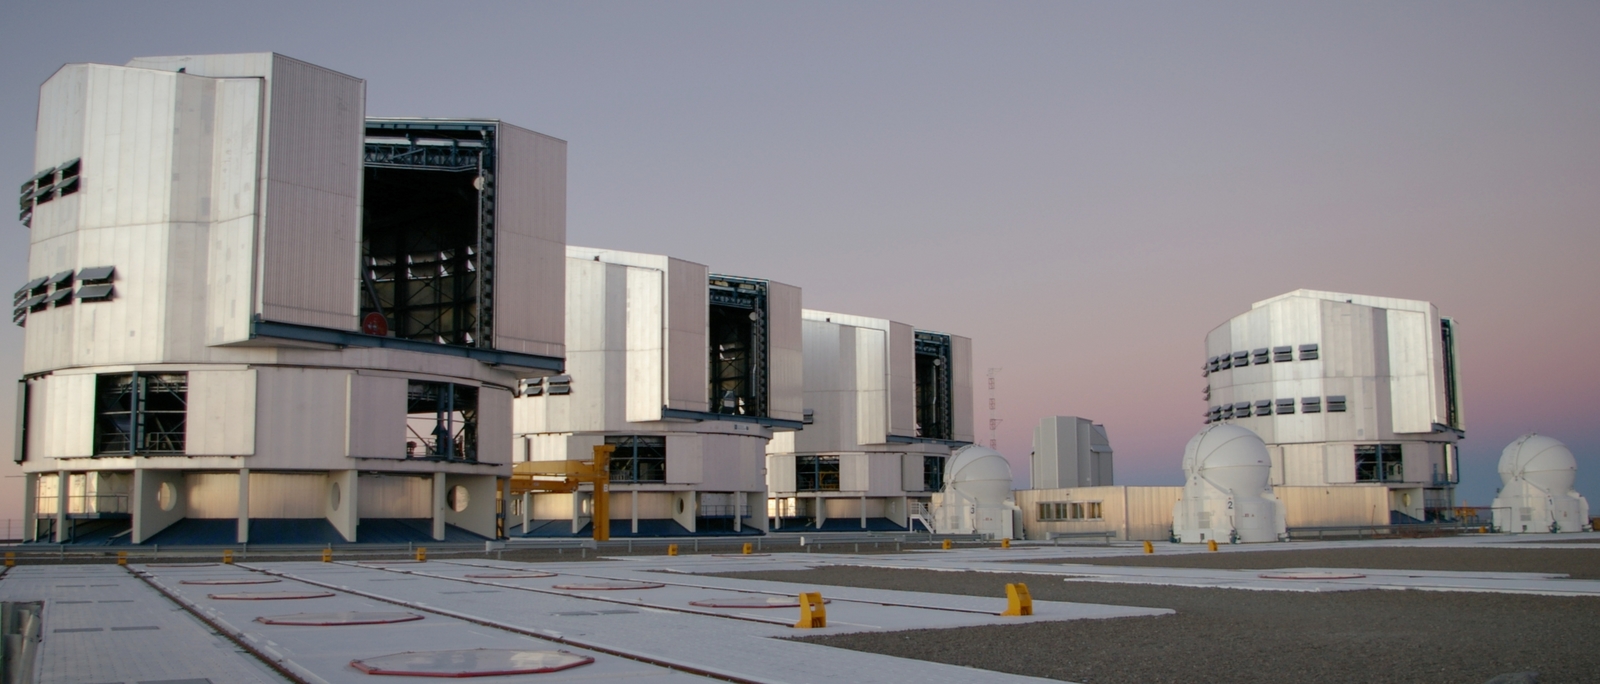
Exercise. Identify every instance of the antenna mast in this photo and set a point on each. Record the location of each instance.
(993, 421)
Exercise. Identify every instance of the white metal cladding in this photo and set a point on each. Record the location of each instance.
(531, 237)
(377, 408)
(688, 366)
(1334, 506)
(902, 380)
(735, 460)
(288, 495)
(854, 473)
(646, 342)
(1132, 513)
(294, 432)
(69, 412)
(211, 495)
(780, 473)
(494, 425)
(685, 458)
(222, 413)
(786, 356)
(961, 390)
(394, 496)
(911, 474)
(873, 392)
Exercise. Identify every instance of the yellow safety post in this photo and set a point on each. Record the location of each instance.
(11, 559)
(422, 553)
(1005, 543)
(1149, 548)
(1018, 601)
(227, 556)
(813, 613)
(947, 544)
(672, 549)
(327, 555)
(748, 547)
(1212, 545)
(122, 558)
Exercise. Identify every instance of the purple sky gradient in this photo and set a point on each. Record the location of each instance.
(1085, 189)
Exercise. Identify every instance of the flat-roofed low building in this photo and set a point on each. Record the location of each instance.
(886, 404)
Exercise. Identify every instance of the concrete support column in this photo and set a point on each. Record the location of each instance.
(821, 514)
(343, 502)
(438, 506)
(30, 506)
(635, 508)
(527, 512)
(738, 503)
(578, 517)
(63, 483)
(505, 507)
(863, 511)
(243, 533)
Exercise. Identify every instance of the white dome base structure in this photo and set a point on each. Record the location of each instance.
(1226, 495)
(976, 498)
(1537, 496)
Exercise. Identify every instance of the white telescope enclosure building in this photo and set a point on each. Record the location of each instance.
(687, 373)
(1536, 494)
(256, 315)
(1345, 390)
(886, 404)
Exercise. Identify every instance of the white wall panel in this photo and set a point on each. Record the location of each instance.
(395, 496)
(872, 386)
(288, 495)
(646, 343)
(222, 413)
(69, 416)
(786, 357)
(855, 473)
(1410, 385)
(780, 473)
(902, 380)
(531, 219)
(685, 459)
(211, 495)
(494, 426)
(961, 388)
(688, 354)
(293, 432)
(230, 260)
(377, 409)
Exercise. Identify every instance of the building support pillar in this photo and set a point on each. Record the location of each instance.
(527, 512)
(30, 507)
(738, 503)
(634, 506)
(63, 483)
(863, 511)
(438, 506)
(243, 533)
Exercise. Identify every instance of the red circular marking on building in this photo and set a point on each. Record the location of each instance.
(375, 324)
(481, 662)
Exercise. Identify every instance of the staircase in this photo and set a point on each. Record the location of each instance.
(918, 513)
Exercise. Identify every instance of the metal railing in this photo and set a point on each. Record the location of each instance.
(1433, 529)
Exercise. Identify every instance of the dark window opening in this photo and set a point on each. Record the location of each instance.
(738, 342)
(428, 231)
(638, 458)
(1379, 463)
(141, 413)
(816, 473)
(1452, 406)
(933, 390)
(932, 473)
(1336, 403)
(441, 420)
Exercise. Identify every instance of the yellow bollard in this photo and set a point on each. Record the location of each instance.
(748, 547)
(327, 555)
(1005, 543)
(227, 556)
(422, 554)
(122, 558)
(813, 613)
(1018, 601)
(1149, 548)
(1212, 545)
(672, 549)
(11, 559)
(947, 544)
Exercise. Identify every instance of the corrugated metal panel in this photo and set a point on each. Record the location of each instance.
(1332, 506)
(222, 413)
(855, 474)
(884, 474)
(1133, 513)
(902, 380)
(293, 432)
(1410, 372)
(688, 354)
(394, 496)
(872, 386)
(230, 262)
(494, 426)
(961, 387)
(685, 459)
(288, 495)
(786, 359)
(377, 407)
(211, 495)
(646, 345)
(531, 224)
(780, 473)
(69, 412)
(911, 472)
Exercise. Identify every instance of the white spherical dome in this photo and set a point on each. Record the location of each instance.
(979, 473)
(1230, 456)
(1543, 461)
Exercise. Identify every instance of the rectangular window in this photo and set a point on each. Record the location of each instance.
(638, 458)
(816, 473)
(141, 413)
(932, 473)
(1336, 403)
(1379, 463)
(441, 421)
(1281, 354)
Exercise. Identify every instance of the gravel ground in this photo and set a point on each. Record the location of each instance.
(1577, 563)
(1228, 635)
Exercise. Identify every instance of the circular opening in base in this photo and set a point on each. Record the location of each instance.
(1310, 575)
(333, 496)
(483, 662)
(751, 602)
(609, 586)
(457, 498)
(515, 575)
(339, 619)
(271, 595)
(166, 496)
(224, 582)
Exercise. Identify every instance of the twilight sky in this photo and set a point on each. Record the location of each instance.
(1085, 189)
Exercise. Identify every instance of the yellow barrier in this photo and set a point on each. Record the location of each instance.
(1018, 601)
(227, 556)
(748, 547)
(122, 558)
(1005, 543)
(947, 544)
(1212, 545)
(422, 553)
(1149, 548)
(11, 559)
(672, 549)
(327, 555)
(813, 613)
